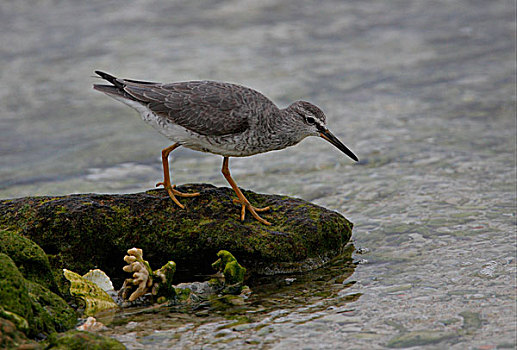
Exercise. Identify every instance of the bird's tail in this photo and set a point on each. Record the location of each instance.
(110, 78)
(117, 89)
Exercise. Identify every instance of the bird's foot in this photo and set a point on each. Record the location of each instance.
(253, 210)
(173, 192)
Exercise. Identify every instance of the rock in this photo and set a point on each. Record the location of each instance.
(51, 312)
(87, 231)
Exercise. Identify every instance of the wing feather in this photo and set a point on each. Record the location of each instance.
(205, 107)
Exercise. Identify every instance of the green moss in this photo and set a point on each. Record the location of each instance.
(51, 312)
(183, 294)
(14, 296)
(238, 320)
(20, 322)
(166, 289)
(61, 210)
(77, 340)
(227, 264)
(471, 321)
(28, 303)
(30, 259)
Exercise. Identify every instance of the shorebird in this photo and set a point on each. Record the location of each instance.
(220, 118)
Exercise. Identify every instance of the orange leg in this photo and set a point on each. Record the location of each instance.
(242, 200)
(167, 180)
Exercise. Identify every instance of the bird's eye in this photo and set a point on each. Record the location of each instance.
(310, 120)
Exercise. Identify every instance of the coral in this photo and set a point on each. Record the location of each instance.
(142, 276)
(158, 283)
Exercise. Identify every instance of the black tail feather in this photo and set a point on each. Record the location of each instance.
(110, 78)
(119, 85)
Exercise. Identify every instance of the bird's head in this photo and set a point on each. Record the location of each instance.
(312, 122)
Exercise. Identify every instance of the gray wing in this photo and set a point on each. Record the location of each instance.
(205, 107)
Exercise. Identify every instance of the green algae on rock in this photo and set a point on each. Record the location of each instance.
(233, 273)
(30, 259)
(81, 232)
(32, 307)
(14, 296)
(419, 338)
(227, 264)
(82, 340)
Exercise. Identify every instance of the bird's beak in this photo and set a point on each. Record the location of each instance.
(327, 135)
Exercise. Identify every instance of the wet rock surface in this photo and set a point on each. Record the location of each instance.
(82, 232)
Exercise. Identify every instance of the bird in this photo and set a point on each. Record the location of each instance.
(221, 118)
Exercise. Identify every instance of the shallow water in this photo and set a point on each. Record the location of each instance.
(423, 92)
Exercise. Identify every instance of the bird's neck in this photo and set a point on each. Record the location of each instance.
(281, 129)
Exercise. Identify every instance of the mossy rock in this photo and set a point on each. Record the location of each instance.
(29, 258)
(77, 340)
(87, 231)
(14, 295)
(33, 308)
(51, 312)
